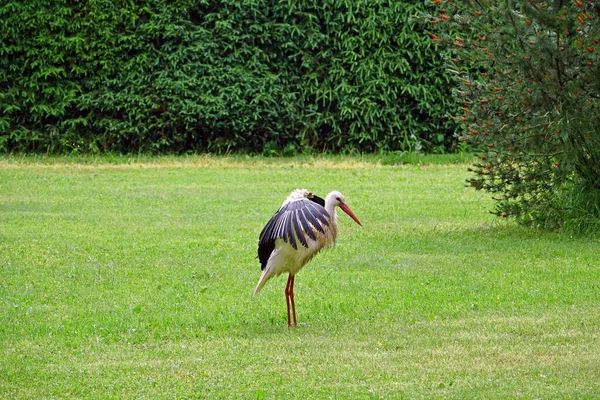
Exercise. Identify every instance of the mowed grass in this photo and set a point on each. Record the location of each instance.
(133, 279)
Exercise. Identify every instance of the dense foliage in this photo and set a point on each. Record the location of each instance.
(189, 75)
(528, 77)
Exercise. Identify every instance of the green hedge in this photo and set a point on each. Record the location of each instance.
(232, 75)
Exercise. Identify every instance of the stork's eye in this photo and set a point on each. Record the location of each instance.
(338, 199)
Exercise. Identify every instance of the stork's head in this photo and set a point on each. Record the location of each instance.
(336, 199)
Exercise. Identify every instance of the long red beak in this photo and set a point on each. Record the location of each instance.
(348, 211)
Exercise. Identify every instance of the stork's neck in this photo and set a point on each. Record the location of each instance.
(330, 207)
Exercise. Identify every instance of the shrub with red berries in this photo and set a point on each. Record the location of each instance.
(528, 81)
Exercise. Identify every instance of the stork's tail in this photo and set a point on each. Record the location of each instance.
(264, 277)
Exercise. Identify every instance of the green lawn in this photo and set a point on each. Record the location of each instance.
(133, 278)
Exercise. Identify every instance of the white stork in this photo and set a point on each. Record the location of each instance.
(303, 226)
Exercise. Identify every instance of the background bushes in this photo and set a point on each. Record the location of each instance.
(259, 76)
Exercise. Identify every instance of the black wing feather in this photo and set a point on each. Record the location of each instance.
(264, 252)
(266, 243)
(288, 235)
(280, 226)
(305, 224)
(289, 222)
(319, 200)
(298, 230)
(313, 221)
(319, 212)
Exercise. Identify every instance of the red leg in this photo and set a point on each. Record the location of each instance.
(288, 297)
(292, 298)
